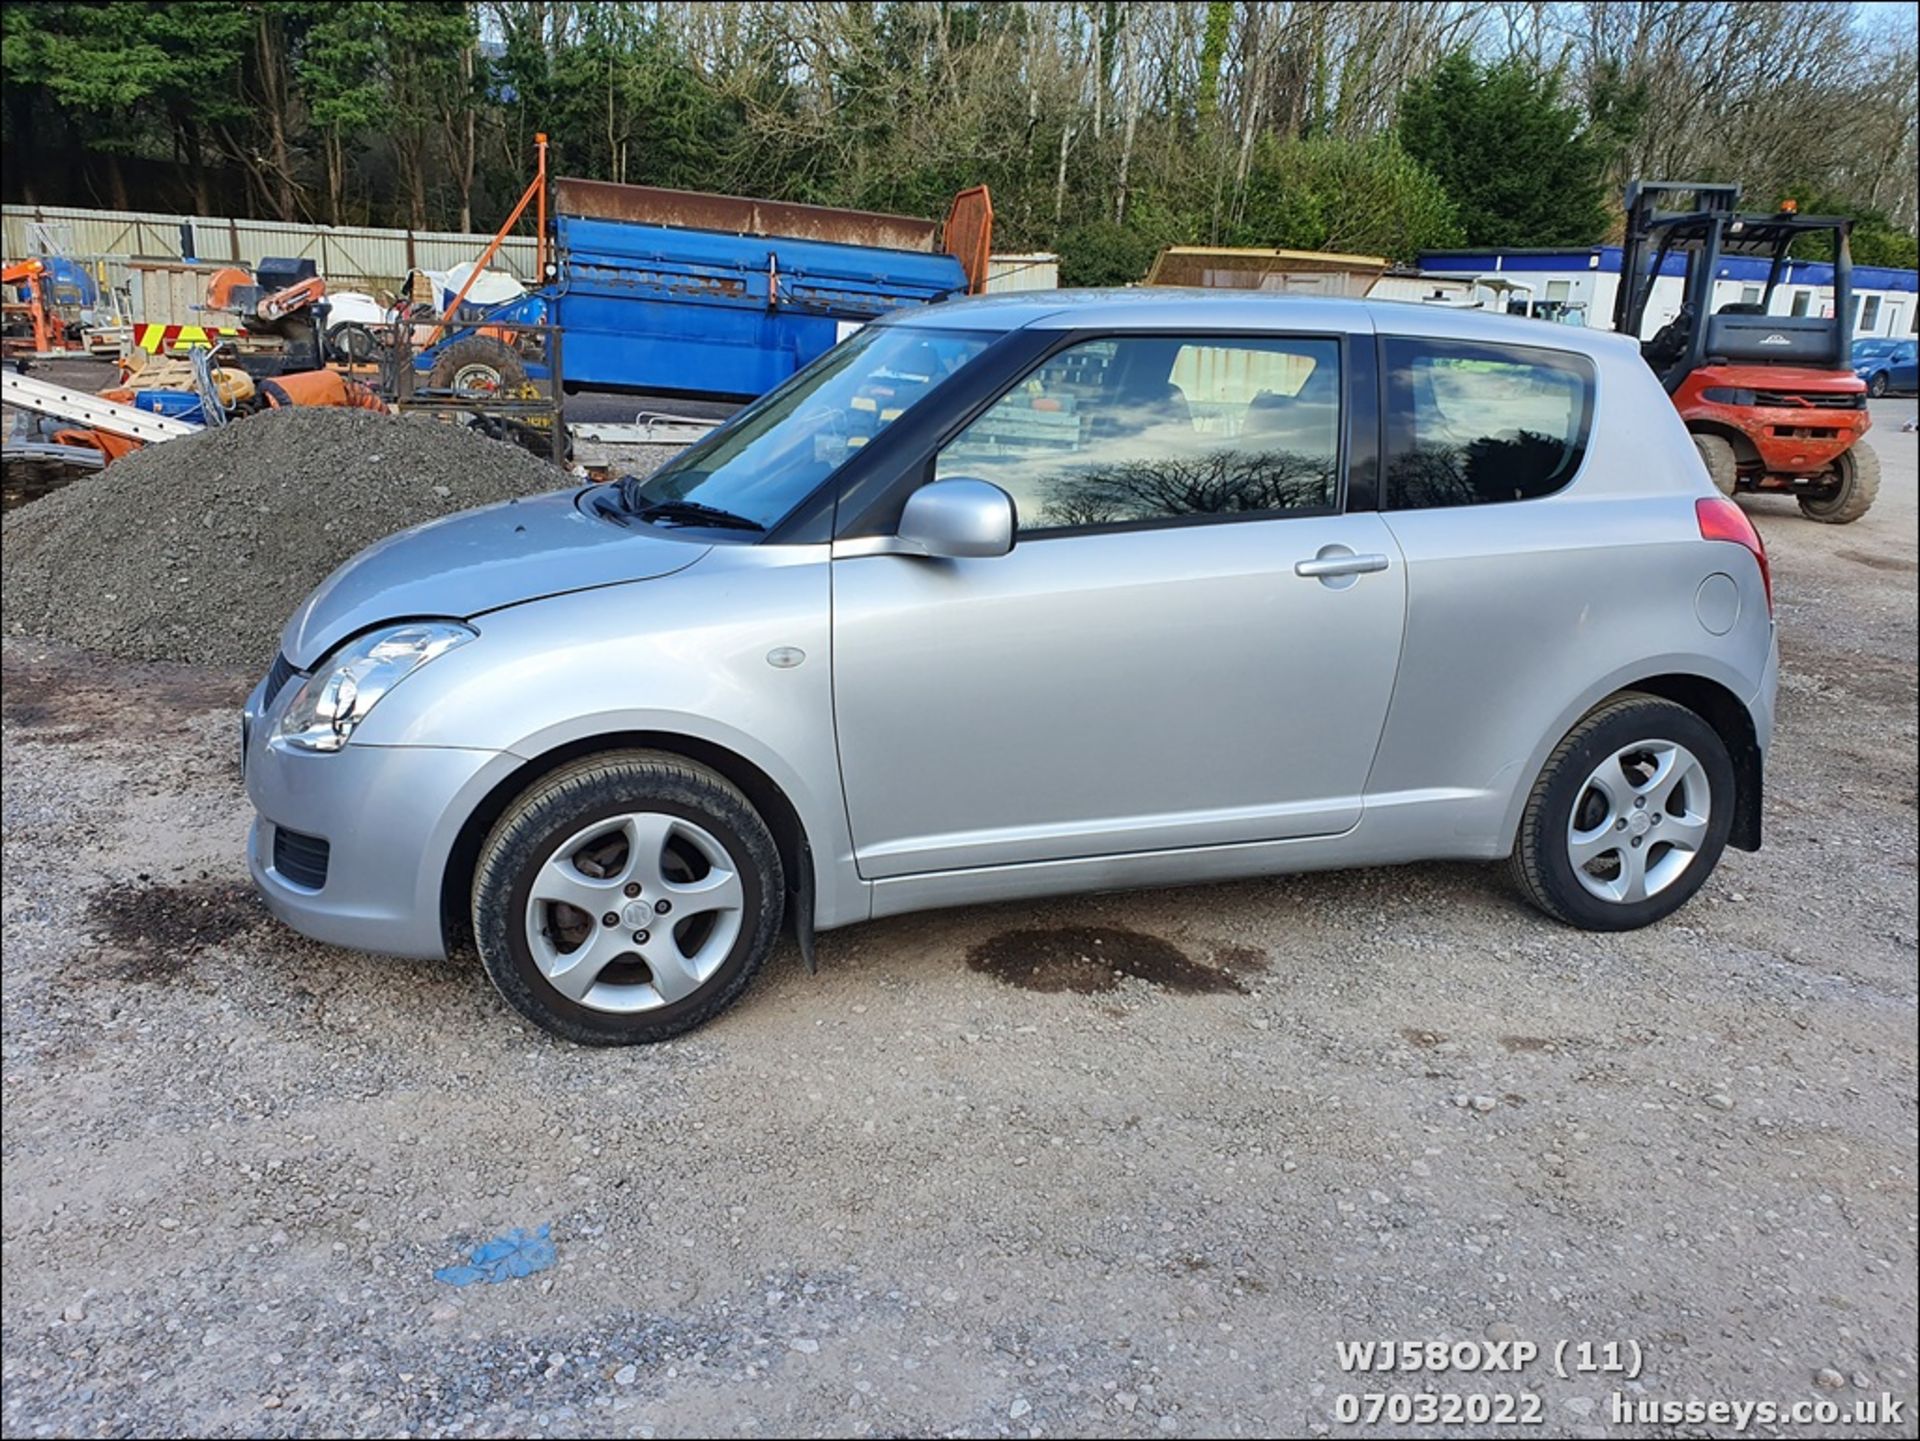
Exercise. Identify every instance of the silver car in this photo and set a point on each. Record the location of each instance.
(1028, 595)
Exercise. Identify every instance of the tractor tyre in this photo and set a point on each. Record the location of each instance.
(1857, 482)
(477, 368)
(1722, 465)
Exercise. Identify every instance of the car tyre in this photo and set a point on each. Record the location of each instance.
(1722, 465)
(1856, 484)
(1877, 387)
(1642, 789)
(668, 848)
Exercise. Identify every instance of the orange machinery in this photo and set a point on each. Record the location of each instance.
(44, 333)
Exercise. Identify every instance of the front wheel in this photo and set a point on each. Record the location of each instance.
(627, 898)
(1851, 492)
(1629, 817)
(1877, 387)
(1723, 466)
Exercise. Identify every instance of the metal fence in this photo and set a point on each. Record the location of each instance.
(346, 255)
(1037, 271)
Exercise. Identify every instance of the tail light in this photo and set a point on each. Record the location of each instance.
(1721, 519)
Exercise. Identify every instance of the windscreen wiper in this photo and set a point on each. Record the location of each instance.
(690, 512)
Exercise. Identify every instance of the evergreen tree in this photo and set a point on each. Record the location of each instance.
(1518, 160)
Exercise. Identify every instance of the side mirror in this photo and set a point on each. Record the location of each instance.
(957, 518)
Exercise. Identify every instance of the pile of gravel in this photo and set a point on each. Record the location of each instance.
(198, 549)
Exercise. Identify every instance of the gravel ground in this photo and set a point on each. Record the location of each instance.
(935, 1191)
(198, 549)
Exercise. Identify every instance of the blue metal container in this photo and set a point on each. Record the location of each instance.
(180, 404)
(653, 307)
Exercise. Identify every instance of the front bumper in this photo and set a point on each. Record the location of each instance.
(390, 816)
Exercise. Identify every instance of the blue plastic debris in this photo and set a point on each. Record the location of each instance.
(505, 1258)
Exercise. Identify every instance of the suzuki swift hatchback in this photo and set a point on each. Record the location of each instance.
(1028, 595)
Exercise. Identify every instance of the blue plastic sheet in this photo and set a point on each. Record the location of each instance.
(505, 1258)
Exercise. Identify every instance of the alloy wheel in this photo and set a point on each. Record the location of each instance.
(634, 912)
(1639, 821)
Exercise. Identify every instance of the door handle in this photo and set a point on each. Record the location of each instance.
(1322, 566)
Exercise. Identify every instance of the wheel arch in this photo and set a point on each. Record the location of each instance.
(1732, 722)
(1745, 452)
(782, 818)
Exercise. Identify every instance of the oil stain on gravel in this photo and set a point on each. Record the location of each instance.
(1089, 959)
(60, 696)
(1878, 562)
(152, 932)
(1518, 1044)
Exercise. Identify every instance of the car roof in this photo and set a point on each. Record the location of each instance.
(1175, 308)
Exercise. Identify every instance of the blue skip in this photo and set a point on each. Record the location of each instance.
(505, 1258)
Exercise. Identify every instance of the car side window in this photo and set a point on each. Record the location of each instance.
(1482, 424)
(1138, 429)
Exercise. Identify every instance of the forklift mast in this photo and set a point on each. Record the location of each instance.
(1702, 223)
(1653, 230)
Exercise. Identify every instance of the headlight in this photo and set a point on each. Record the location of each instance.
(340, 692)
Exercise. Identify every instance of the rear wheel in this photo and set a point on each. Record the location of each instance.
(1717, 452)
(627, 898)
(477, 368)
(1850, 494)
(1629, 817)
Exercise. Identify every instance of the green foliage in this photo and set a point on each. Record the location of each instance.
(630, 109)
(1213, 50)
(1362, 197)
(1102, 252)
(1875, 239)
(1882, 244)
(339, 68)
(1519, 161)
(106, 61)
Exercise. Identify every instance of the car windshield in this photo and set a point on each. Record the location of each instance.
(1874, 349)
(751, 472)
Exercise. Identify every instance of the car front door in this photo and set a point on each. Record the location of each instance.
(1905, 374)
(1192, 642)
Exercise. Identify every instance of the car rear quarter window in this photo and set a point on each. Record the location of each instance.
(1473, 424)
(1134, 430)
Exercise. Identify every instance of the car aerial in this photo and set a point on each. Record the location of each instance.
(1027, 595)
(1887, 366)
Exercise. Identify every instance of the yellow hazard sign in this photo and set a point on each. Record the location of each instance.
(155, 338)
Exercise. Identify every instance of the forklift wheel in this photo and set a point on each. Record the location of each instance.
(1856, 481)
(1722, 466)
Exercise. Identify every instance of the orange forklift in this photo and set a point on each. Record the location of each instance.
(1772, 401)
